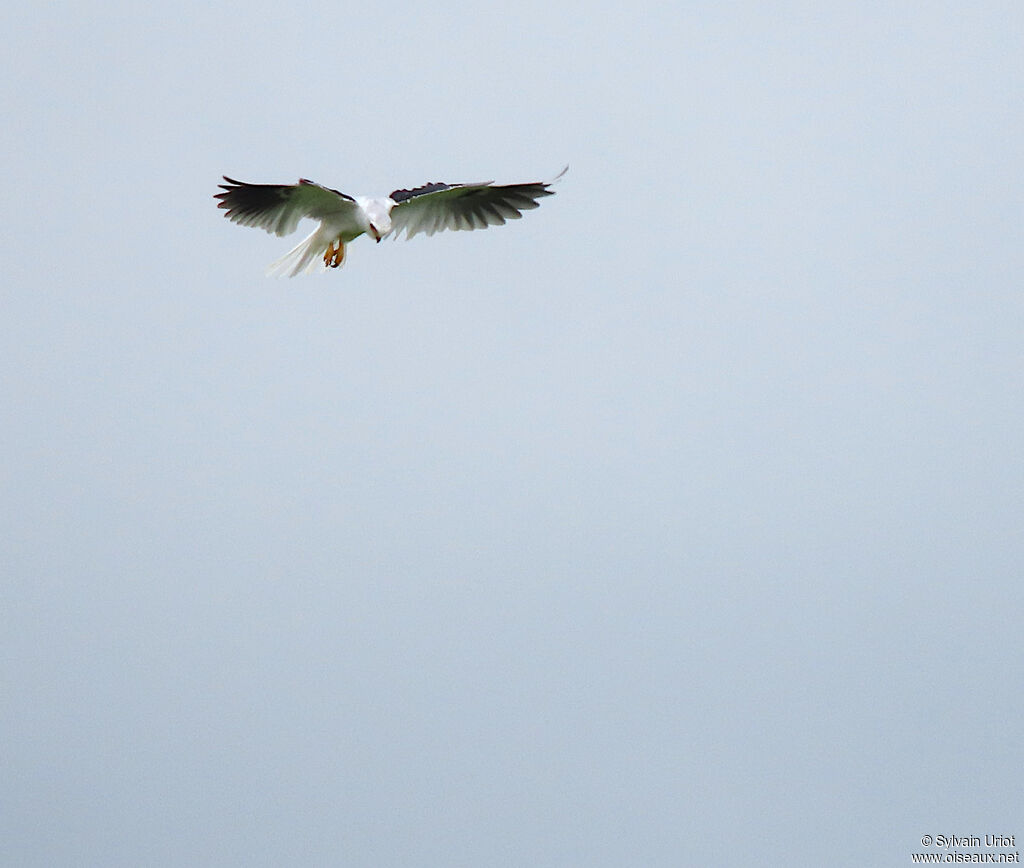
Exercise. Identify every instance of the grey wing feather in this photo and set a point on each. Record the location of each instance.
(436, 207)
(278, 208)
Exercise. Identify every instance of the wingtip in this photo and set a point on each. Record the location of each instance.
(231, 185)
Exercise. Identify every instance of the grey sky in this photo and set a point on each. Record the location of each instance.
(677, 523)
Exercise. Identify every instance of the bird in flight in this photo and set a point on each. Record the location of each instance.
(431, 208)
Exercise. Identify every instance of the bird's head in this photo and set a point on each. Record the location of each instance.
(378, 219)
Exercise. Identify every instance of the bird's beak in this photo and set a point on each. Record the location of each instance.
(375, 234)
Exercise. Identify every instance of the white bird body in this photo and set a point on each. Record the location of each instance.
(430, 208)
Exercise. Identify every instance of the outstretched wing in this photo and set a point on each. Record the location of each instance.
(436, 207)
(278, 209)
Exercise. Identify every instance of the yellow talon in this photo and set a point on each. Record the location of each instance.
(335, 254)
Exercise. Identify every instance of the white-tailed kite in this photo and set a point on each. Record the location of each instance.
(430, 208)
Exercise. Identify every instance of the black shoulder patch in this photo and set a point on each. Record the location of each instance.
(402, 195)
(307, 183)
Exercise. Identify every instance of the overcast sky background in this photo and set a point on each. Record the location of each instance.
(677, 523)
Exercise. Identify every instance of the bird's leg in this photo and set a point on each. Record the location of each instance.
(335, 254)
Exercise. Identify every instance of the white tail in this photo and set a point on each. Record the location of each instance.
(301, 258)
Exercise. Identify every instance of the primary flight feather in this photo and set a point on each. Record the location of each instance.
(430, 208)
